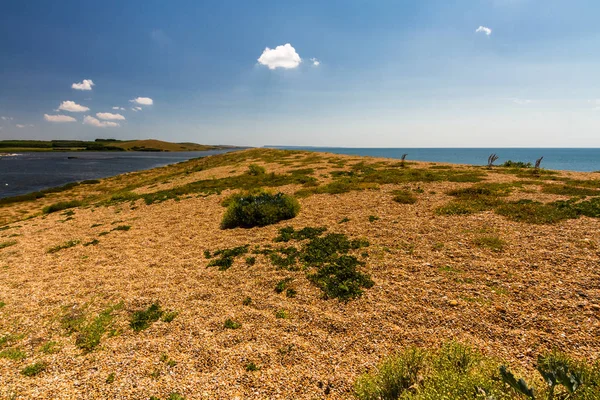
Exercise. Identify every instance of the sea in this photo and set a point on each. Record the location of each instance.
(22, 173)
(570, 159)
(28, 172)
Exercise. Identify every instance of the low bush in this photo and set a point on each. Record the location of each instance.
(404, 197)
(34, 369)
(341, 279)
(63, 205)
(255, 170)
(260, 210)
(142, 319)
(226, 257)
(231, 324)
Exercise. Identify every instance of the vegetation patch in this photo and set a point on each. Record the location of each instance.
(142, 319)
(567, 190)
(34, 369)
(88, 332)
(226, 257)
(404, 197)
(63, 205)
(260, 210)
(13, 353)
(288, 233)
(122, 228)
(491, 242)
(457, 371)
(231, 324)
(62, 246)
(4, 245)
(534, 212)
(341, 279)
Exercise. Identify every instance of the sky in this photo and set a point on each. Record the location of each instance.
(351, 73)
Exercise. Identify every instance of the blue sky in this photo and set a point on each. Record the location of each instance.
(389, 73)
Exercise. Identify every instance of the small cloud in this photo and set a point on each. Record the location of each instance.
(484, 29)
(20, 126)
(280, 57)
(145, 101)
(136, 109)
(522, 102)
(85, 85)
(315, 62)
(89, 120)
(72, 106)
(118, 108)
(6, 118)
(59, 118)
(110, 116)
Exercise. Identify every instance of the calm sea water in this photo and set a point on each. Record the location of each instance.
(561, 159)
(29, 172)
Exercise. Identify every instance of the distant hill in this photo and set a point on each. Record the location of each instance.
(8, 146)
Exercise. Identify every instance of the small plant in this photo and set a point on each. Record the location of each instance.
(92, 243)
(50, 347)
(520, 386)
(226, 257)
(122, 228)
(281, 314)
(256, 170)
(491, 160)
(260, 210)
(111, 378)
(247, 301)
(344, 220)
(61, 206)
(402, 160)
(341, 279)
(404, 197)
(4, 245)
(175, 396)
(491, 242)
(13, 354)
(282, 284)
(290, 293)
(516, 164)
(250, 261)
(207, 254)
(169, 362)
(90, 334)
(169, 316)
(251, 367)
(373, 218)
(231, 324)
(34, 369)
(65, 245)
(142, 319)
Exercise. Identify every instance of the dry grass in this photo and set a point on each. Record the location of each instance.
(538, 293)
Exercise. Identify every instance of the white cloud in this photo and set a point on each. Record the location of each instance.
(145, 101)
(483, 29)
(20, 126)
(72, 106)
(280, 57)
(59, 118)
(118, 108)
(110, 116)
(136, 109)
(89, 120)
(85, 85)
(315, 62)
(6, 118)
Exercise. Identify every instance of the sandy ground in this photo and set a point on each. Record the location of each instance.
(433, 284)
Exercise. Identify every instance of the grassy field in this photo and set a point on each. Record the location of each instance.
(350, 277)
(14, 146)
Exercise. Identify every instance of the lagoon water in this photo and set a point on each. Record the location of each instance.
(561, 159)
(28, 172)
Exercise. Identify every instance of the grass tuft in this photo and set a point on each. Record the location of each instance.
(142, 319)
(63, 205)
(34, 369)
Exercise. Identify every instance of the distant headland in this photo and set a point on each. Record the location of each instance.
(152, 145)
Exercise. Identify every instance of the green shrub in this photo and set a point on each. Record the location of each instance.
(534, 212)
(13, 354)
(341, 279)
(65, 245)
(260, 210)
(63, 205)
(34, 369)
(251, 367)
(516, 164)
(256, 170)
(282, 314)
(247, 301)
(492, 242)
(231, 324)
(404, 197)
(111, 378)
(226, 257)
(142, 319)
(250, 261)
(282, 285)
(288, 233)
(122, 228)
(4, 245)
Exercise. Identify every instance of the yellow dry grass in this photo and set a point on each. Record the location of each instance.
(432, 284)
